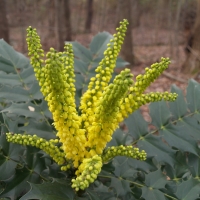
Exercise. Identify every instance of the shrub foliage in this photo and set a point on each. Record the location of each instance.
(171, 140)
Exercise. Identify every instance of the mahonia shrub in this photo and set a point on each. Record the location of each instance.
(83, 133)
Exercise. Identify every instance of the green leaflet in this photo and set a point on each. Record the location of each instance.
(11, 61)
(137, 126)
(160, 114)
(193, 96)
(188, 190)
(9, 156)
(178, 108)
(34, 165)
(99, 43)
(156, 180)
(121, 187)
(50, 191)
(149, 194)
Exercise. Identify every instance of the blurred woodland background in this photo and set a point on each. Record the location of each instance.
(158, 28)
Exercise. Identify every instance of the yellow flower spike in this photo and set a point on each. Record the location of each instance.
(61, 102)
(135, 96)
(68, 60)
(111, 152)
(87, 172)
(47, 146)
(101, 130)
(151, 74)
(36, 54)
(104, 72)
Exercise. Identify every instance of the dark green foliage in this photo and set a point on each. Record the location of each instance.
(171, 171)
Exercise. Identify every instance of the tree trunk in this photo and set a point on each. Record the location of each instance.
(59, 24)
(136, 13)
(4, 30)
(127, 48)
(192, 62)
(88, 22)
(67, 13)
(177, 29)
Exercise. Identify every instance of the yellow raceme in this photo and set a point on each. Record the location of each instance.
(83, 137)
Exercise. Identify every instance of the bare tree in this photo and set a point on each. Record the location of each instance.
(192, 62)
(68, 36)
(59, 24)
(136, 13)
(4, 29)
(127, 48)
(88, 22)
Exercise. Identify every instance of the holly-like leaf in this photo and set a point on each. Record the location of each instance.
(121, 187)
(156, 180)
(150, 193)
(122, 167)
(9, 156)
(180, 167)
(25, 109)
(145, 166)
(118, 138)
(160, 113)
(11, 60)
(34, 160)
(178, 108)
(92, 195)
(137, 126)
(175, 136)
(17, 184)
(82, 52)
(193, 96)
(194, 165)
(155, 147)
(50, 191)
(103, 191)
(41, 128)
(191, 126)
(99, 43)
(188, 190)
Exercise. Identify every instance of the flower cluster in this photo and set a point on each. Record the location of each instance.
(88, 171)
(121, 150)
(135, 97)
(47, 146)
(83, 135)
(107, 108)
(37, 53)
(99, 83)
(60, 93)
(58, 88)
